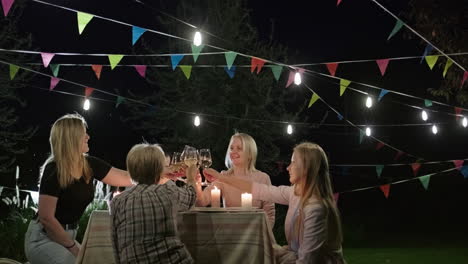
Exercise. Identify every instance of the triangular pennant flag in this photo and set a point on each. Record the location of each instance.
(230, 57)
(427, 50)
(383, 63)
(395, 29)
(276, 69)
(136, 33)
(465, 76)
(398, 155)
(448, 64)
(186, 69)
(53, 82)
(97, 70)
(114, 59)
(196, 51)
(83, 20)
(458, 163)
(415, 167)
(290, 78)
(256, 63)
(336, 196)
(313, 99)
(379, 169)
(458, 112)
(46, 58)
(431, 60)
(6, 4)
(120, 100)
(338, 2)
(55, 69)
(141, 69)
(343, 85)
(361, 135)
(385, 189)
(464, 171)
(425, 180)
(88, 91)
(379, 145)
(340, 117)
(332, 68)
(175, 59)
(231, 72)
(427, 103)
(13, 70)
(383, 92)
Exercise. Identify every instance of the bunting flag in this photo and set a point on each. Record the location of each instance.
(13, 71)
(231, 72)
(431, 60)
(120, 100)
(88, 91)
(136, 33)
(186, 69)
(338, 2)
(290, 78)
(336, 196)
(379, 145)
(385, 189)
(458, 112)
(465, 76)
(383, 92)
(415, 167)
(397, 28)
(114, 59)
(141, 69)
(427, 51)
(383, 63)
(464, 171)
(427, 103)
(425, 180)
(230, 57)
(398, 155)
(458, 163)
(448, 64)
(332, 68)
(343, 85)
(55, 69)
(256, 63)
(53, 82)
(361, 135)
(83, 20)
(340, 117)
(175, 59)
(97, 70)
(196, 51)
(6, 4)
(379, 169)
(46, 58)
(313, 99)
(276, 69)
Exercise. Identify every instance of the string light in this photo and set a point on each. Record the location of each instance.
(86, 104)
(297, 78)
(464, 122)
(369, 102)
(197, 39)
(368, 131)
(424, 115)
(196, 121)
(289, 129)
(434, 129)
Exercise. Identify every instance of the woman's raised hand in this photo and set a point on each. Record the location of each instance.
(211, 175)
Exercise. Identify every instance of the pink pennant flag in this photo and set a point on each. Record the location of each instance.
(53, 82)
(458, 164)
(336, 196)
(415, 167)
(141, 69)
(290, 79)
(97, 70)
(385, 189)
(379, 145)
(332, 68)
(6, 4)
(465, 76)
(338, 3)
(458, 112)
(88, 91)
(398, 155)
(46, 58)
(256, 63)
(383, 63)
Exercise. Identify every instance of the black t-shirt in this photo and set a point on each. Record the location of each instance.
(73, 200)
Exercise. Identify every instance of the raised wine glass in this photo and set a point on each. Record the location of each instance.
(205, 160)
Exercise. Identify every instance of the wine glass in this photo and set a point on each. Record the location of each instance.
(190, 156)
(177, 163)
(205, 160)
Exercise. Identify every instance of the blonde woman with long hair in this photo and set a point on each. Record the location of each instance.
(66, 189)
(240, 160)
(312, 225)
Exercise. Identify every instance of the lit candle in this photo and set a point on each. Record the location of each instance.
(246, 200)
(215, 195)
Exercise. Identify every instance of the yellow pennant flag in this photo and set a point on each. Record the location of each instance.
(447, 66)
(343, 85)
(83, 20)
(186, 69)
(114, 60)
(313, 99)
(431, 60)
(13, 70)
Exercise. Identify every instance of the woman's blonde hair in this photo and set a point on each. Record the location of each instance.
(248, 146)
(66, 139)
(145, 163)
(315, 181)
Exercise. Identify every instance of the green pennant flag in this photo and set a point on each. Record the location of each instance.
(83, 20)
(276, 69)
(447, 66)
(379, 169)
(425, 180)
(343, 85)
(313, 99)
(55, 69)
(120, 100)
(13, 70)
(361, 135)
(114, 60)
(230, 57)
(427, 103)
(196, 51)
(186, 69)
(431, 60)
(397, 28)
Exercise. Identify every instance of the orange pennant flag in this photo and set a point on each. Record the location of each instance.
(415, 167)
(256, 63)
(88, 91)
(385, 189)
(332, 68)
(97, 70)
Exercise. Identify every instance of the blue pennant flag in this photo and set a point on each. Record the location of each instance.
(136, 34)
(340, 117)
(175, 59)
(383, 92)
(231, 72)
(427, 50)
(464, 171)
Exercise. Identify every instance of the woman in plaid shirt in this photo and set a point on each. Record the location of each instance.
(143, 221)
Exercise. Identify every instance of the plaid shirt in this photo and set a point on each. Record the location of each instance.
(144, 223)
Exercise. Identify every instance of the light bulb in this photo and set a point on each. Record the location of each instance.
(368, 131)
(197, 39)
(434, 129)
(196, 121)
(369, 102)
(297, 78)
(86, 104)
(289, 130)
(424, 115)
(464, 122)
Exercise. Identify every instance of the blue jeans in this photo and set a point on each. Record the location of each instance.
(40, 249)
